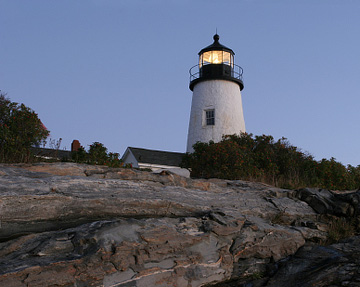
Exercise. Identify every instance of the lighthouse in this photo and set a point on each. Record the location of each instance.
(216, 108)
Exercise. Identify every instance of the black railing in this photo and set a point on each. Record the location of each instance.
(195, 71)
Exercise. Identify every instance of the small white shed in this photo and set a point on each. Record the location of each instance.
(152, 159)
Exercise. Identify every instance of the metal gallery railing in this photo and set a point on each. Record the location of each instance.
(195, 71)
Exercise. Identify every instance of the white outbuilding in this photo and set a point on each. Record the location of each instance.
(155, 160)
(216, 107)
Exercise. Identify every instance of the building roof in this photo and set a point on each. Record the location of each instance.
(216, 46)
(51, 153)
(157, 156)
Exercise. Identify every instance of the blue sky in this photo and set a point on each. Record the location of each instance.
(117, 71)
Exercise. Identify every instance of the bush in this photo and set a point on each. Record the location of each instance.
(114, 160)
(97, 154)
(260, 158)
(20, 129)
(80, 156)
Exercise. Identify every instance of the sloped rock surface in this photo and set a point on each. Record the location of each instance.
(327, 202)
(313, 265)
(66, 224)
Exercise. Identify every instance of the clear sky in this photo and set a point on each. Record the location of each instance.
(116, 71)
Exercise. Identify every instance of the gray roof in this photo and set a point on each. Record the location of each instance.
(157, 156)
(52, 153)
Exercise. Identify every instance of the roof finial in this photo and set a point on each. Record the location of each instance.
(216, 36)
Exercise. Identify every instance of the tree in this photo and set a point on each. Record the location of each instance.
(20, 129)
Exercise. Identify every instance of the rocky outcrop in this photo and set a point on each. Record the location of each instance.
(313, 265)
(67, 224)
(326, 202)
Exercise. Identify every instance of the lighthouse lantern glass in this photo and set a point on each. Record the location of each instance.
(228, 59)
(216, 57)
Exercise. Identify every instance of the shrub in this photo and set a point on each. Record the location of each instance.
(97, 154)
(80, 156)
(114, 160)
(20, 129)
(260, 158)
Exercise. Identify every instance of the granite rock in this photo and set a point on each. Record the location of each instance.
(68, 224)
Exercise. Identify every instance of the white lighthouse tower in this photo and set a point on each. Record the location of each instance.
(216, 107)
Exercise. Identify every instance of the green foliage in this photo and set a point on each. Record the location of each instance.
(261, 158)
(97, 154)
(113, 160)
(80, 156)
(20, 128)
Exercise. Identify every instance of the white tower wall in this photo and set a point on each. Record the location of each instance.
(222, 96)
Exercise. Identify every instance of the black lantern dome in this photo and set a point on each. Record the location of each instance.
(216, 61)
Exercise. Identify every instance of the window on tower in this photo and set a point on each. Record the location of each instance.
(210, 117)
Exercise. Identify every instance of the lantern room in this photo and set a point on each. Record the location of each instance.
(216, 61)
(216, 54)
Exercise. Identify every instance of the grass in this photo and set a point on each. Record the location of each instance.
(340, 228)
